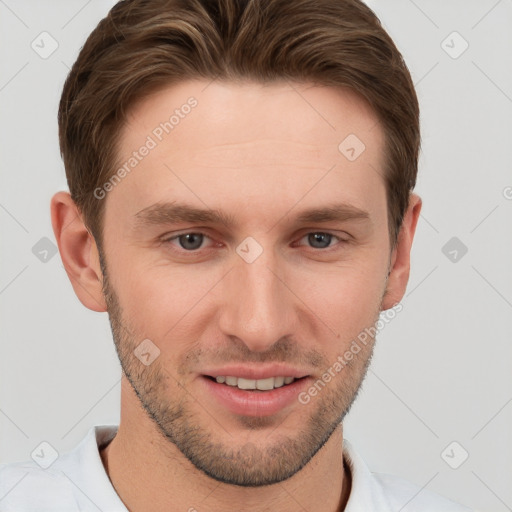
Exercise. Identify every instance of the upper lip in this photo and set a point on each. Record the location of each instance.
(256, 372)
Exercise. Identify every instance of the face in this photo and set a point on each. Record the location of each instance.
(261, 283)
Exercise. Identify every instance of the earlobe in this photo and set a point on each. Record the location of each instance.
(78, 252)
(398, 276)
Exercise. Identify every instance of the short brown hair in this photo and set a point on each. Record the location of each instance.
(144, 45)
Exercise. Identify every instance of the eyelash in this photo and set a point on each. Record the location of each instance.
(341, 241)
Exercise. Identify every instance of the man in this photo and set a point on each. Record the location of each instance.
(241, 204)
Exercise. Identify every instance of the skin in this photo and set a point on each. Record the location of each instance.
(261, 154)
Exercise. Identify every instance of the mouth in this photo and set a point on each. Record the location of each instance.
(245, 397)
(256, 385)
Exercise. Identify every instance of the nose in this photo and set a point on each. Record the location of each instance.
(258, 306)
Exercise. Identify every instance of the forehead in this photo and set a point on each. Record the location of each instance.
(222, 143)
(223, 112)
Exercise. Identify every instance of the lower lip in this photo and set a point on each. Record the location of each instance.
(255, 403)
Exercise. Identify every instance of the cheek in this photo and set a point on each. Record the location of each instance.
(347, 299)
(160, 301)
(164, 302)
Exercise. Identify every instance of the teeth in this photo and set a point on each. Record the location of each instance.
(278, 382)
(246, 383)
(261, 384)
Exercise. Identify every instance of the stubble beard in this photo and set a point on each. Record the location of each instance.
(177, 415)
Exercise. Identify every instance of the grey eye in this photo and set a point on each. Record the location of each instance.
(191, 241)
(319, 240)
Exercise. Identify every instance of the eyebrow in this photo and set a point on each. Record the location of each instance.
(171, 213)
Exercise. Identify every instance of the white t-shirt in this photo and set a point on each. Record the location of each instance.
(77, 482)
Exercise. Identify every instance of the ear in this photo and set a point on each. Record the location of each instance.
(78, 252)
(400, 259)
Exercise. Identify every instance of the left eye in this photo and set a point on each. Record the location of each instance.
(319, 239)
(193, 241)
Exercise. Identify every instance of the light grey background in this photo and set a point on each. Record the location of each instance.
(442, 368)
